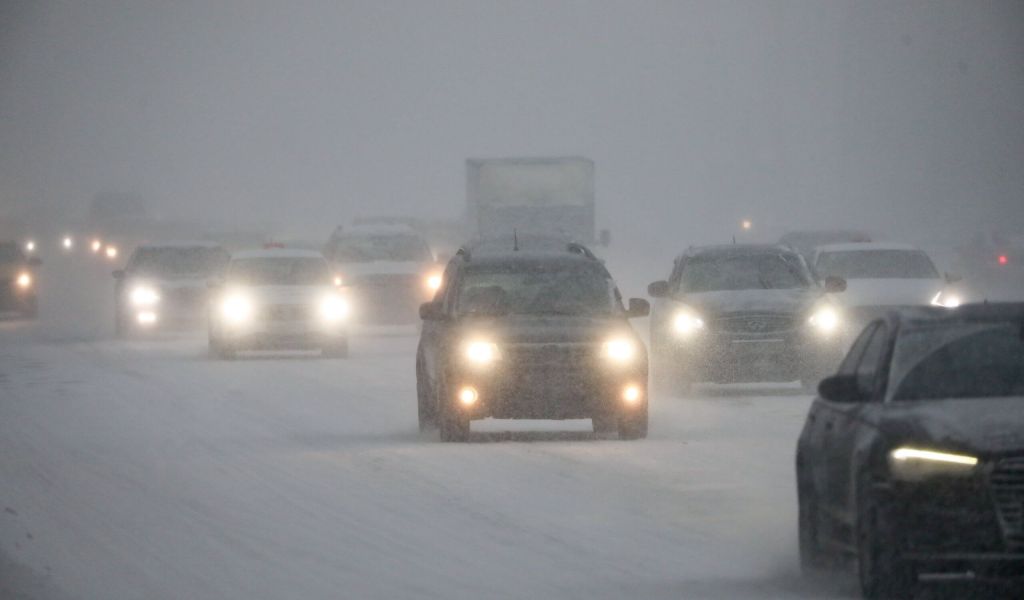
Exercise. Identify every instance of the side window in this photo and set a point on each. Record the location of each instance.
(448, 283)
(849, 364)
(677, 274)
(867, 368)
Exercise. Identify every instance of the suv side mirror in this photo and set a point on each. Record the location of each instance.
(431, 311)
(834, 285)
(604, 238)
(35, 261)
(953, 278)
(638, 307)
(118, 274)
(658, 289)
(840, 388)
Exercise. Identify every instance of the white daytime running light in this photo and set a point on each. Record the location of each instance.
(68, 243)
(905, 454)
(687, 323)
(237, 308)
(30, 246)
(946, 300)
(144, 296)
(481, 353)
(825, 319)
(333, 308)
(24, 280)
(620, 350)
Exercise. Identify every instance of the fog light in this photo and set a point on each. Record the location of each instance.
(631, 394)
(146, 317)
(111, 252)
(96, 246)
(468, 396)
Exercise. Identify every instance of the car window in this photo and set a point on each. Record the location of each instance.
(536, 289)
(280, 271)
(389, 247)
(876, 264)
(743, 272)
(971, 360)
(870, 360)
(850, 362)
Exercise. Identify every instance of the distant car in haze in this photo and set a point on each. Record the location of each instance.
(806, 242)
(388, 269)
(165, 286)
(278, 299)
(911, 459)
(883, 276)
(743, 313)
(18, 285)
(993, 263)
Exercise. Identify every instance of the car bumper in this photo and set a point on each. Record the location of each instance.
(550, 392)
(286, 335)
(740, 359)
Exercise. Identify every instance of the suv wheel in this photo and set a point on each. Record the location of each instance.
(812, 560)
(881, 572)
(604, 423)
(634, 426)
(424, 403)
(454, 426)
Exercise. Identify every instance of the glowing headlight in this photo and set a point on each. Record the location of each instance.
(333, 308)
(482, 353)
(825, 320)
(111, 252)
(30, 246)
(144, 296)
(67, 243)
(620, 350)
(24, 281)
(686, 323)
(914, 464)
(338, 281)
(236, 309)
(433, 282)
(946, 300)
(96, 246)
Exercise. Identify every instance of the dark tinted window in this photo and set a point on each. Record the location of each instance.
(876, 264)
(280, 271)
(386, 247)
(966, 361)
(870, 360)
(536, 288)
(849, 364)
(742, 272)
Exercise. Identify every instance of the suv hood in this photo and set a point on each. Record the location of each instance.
(769, 301)
(889, 292)
(979, 425)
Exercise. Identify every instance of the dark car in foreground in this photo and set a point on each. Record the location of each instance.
(743, 313)
(530, 334)
(911, 460)
(165, 286)
(18, 280)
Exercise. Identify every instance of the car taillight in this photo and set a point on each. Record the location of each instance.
(1003, 259)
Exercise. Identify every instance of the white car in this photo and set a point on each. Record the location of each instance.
(279, 299)
(881, 276)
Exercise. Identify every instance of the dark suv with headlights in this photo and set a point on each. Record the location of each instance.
(743, 313)
(530, 334)
(911, 460)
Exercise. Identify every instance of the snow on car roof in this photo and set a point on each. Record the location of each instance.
(866, 246)
(276, 253)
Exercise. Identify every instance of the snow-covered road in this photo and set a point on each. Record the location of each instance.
(141, 469)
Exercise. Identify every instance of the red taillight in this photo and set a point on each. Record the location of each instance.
(1003, 259)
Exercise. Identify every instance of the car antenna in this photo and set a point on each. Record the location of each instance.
(515, 240)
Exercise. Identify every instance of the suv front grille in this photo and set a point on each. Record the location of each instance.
(288, 312)
(754, 323)
(550, 355)
(1008, 494)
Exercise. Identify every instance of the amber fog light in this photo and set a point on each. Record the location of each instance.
(468, 396)
(631, 394)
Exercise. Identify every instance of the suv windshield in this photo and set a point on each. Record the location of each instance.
(280, 271)
(390, 247)
(742, 272)
(178, 262)
(969, 360)
(876, 264)
(537, 289)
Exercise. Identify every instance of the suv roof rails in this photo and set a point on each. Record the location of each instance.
(578, 248)
(464, 252)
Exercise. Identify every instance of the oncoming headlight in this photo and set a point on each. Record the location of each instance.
(915, 464)
(24, 281)
(236, 309)
(825, 319)
(144, 296)
(946, 300)
(620, 350)
(481, 352)
(333, 308)
(686, 322)
(433, 282)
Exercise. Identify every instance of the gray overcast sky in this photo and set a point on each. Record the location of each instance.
(886, 114)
